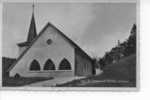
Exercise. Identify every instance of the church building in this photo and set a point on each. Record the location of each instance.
(50, 54)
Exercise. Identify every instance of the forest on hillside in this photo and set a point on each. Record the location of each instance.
(122, 50)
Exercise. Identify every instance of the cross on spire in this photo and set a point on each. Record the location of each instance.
(33, 7)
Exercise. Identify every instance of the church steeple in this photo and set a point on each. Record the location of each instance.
(32, 29)
(31, 34)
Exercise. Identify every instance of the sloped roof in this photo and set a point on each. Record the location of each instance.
(42, 31)
(22, 44)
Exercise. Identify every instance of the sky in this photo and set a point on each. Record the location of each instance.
(95, 27)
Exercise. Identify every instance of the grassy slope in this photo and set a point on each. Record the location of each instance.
(14, 82)
(124, 70)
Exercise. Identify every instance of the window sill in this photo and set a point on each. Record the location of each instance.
(49, 71)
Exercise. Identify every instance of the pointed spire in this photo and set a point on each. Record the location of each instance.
(33, 8)
(32, 29)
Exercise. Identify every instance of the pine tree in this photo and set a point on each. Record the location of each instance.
(131, 42)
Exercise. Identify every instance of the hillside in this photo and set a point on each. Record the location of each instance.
(121, 74)
(125, 69)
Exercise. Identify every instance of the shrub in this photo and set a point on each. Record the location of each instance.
(17, 75)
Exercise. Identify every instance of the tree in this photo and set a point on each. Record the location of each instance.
(108, 58)
(102, 63)
(126, 48)
(131, 42)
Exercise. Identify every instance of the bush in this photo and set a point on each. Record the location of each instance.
(17, 75)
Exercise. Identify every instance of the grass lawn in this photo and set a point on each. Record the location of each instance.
(121, 74)
(12, 82)
(97, 83)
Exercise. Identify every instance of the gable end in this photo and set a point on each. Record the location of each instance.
(41, 32)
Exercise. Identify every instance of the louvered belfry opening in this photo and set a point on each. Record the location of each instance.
(49, 65)
(34, 66)
(64, 65)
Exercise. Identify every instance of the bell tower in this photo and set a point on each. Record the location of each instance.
(31, 34)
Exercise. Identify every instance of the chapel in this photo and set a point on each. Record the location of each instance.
(50, 54)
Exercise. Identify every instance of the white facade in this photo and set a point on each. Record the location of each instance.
(57, 50)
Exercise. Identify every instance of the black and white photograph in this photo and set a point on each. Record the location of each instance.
(69, 45)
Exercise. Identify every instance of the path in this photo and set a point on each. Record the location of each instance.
(53, 82)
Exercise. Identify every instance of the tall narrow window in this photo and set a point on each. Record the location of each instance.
(49, 65)
(64, 65)
(35, 66)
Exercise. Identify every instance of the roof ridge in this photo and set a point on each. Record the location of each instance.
(69, 39)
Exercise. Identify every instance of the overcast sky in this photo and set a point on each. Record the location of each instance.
(95, 27)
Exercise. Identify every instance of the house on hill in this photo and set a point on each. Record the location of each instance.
(50, 54)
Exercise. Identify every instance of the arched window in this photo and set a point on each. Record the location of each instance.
(64, 65)
(35, 66)
(49, 65)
